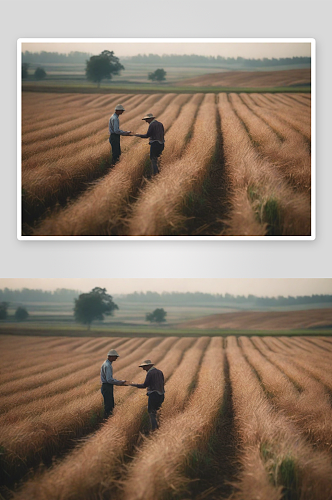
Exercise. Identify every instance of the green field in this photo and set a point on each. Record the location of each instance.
(134, 79)
(84, 87)
(144, 331)
(57, 319)
(132, 314)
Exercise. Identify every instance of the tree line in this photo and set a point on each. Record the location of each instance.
(38, 295)
(194, 60)
(166, 298)
(76, 57)
(199, 298)
(88, 307)
(98, 68)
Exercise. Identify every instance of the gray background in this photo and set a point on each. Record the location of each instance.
(201, 259)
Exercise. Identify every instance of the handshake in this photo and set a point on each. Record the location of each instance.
(131, 134)
(125, 383)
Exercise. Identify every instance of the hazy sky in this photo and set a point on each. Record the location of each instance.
(260, 287)
(248, 50)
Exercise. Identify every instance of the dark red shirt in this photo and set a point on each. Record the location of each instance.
(155, 132)
(154, 381)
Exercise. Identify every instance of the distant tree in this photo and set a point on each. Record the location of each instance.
(157, 316)
(25, 67)
(21, 314)
(103, 66)
(40, 74)
(93, 306)
(3, 310)
(159, 75)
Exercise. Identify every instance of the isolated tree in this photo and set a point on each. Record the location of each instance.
(93, 306)
(21, 314)
(25, 67)
(103, 66)
(40, 74)
(159, 75)
(157, 316)
(3, 310)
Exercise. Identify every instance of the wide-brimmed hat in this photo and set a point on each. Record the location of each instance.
(119, 107)
(112, 352)
(147, 362)
(147, 116)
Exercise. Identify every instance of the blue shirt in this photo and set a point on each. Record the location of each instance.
(106, 374)
(114, 125)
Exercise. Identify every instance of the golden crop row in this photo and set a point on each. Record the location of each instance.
(266, 164)
(282, 418)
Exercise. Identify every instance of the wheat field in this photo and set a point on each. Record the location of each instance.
(233, 165)
(243, 418)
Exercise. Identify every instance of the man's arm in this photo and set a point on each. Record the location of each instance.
(117, 129)
(147, 135)
(110, 379)
(145, 383)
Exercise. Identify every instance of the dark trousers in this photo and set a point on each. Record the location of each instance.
(154, 404)
(155, 151)
(107, 392)
(116, 149)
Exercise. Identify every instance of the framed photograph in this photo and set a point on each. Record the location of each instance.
(166, 139)
(165, 388)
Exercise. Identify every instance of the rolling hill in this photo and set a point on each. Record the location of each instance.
(252, 320)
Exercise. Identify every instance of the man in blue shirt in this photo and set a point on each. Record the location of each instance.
(108, 381)
(154, 384)
(115, 132)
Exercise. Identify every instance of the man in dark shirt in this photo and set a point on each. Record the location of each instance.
(154, 384)
(155, 134)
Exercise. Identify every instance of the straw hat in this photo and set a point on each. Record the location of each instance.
(112, 352)
(147, 116)
(119, 107)
(147, 362)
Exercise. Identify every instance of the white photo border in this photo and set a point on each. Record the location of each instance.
(21, 41)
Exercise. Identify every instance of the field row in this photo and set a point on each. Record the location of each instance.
(240, 159)
(259, 409)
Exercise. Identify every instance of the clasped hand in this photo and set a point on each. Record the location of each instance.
(125, 383)
(132, 134)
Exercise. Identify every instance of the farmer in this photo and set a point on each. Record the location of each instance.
(155, 134)
(107, 382)
(115, 132)
(154, 383)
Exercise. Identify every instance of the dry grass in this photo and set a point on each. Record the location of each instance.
(51, 175)
(271, 441)
(45, 434)
(89, 469)
(71, 376)
(280, 426)
(65, 149)
(310, 409)
(101, 208)
(302, 349)
(251, 78)
(299, 118)
(314, 367)
(158, 467)
(261, 202)
(290, 157)
(177, 394)
(71, 131)
(47, 117)
(159, 209)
